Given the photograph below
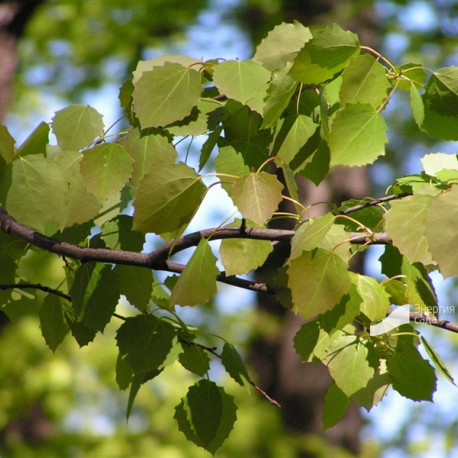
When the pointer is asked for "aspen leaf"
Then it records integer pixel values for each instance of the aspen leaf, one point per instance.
(166, 94)
(442, 212)
(105, 169)
(406, 225)
(328, 52)
(197, 283)
(318, 279)
(244, 81)
(167, 198)
(77, 126)
(257, 196)
(357, 135)
(281, 45)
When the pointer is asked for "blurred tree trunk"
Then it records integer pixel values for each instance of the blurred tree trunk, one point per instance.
(301, 388)
(14, 16)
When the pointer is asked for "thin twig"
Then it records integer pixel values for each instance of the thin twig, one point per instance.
(46, 289)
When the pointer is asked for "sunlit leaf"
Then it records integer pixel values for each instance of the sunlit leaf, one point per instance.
(328, 52)
(105, 169)
(318, 279)
(292, 134)
(281, 45)
(406, 225)
(442, 212)
(364, 81)
(375, 301)
(166, 94)
(357, 135)
(147, 149)
(244, 81)
(257, 196)
(351, 363)
(167, 198)
(77, 126)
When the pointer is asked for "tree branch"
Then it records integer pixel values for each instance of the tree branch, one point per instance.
(39, 286)
(372, 203)
(430, 320)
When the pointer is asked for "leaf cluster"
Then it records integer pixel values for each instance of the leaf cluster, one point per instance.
(306, 102)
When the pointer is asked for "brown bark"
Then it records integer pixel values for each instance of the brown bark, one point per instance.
(14, 16)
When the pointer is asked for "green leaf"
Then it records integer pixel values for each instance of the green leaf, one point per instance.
(292, 134)
(6, 144)
(234, 365)
(413, 377)
(434, 123)
(82, 333)
(194, 359)
(167, 198)
(202, 119)
(374, 391)
(437, 360)
(197, 283)
(325, 55)
(318, 279)
(406, 225)
(36, 142)
(37, 192)
(281, 45)
(442, 212)
(310, 233)
(343, 313)
(103, 299)
(443, 166)
(306, 339)
(240, 256)
(77, 126)
(147, 149)
(79, 204)
(145, 341)
(357, 135)
(136, 284)
(209, 146)
(257, 196)
(52, 321)
(241, 131)
(137, 381)
(410, 74)
(244, 81)
(148, 65)
(105, 169)
(351, 363)
(335, 405)
(375, 301)
(364, 81)
(166, 94)
(206, 415)
(417, 288)
(281, 88)
(206, 409)
(441, 92)
(230, 162)
(124, 373)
